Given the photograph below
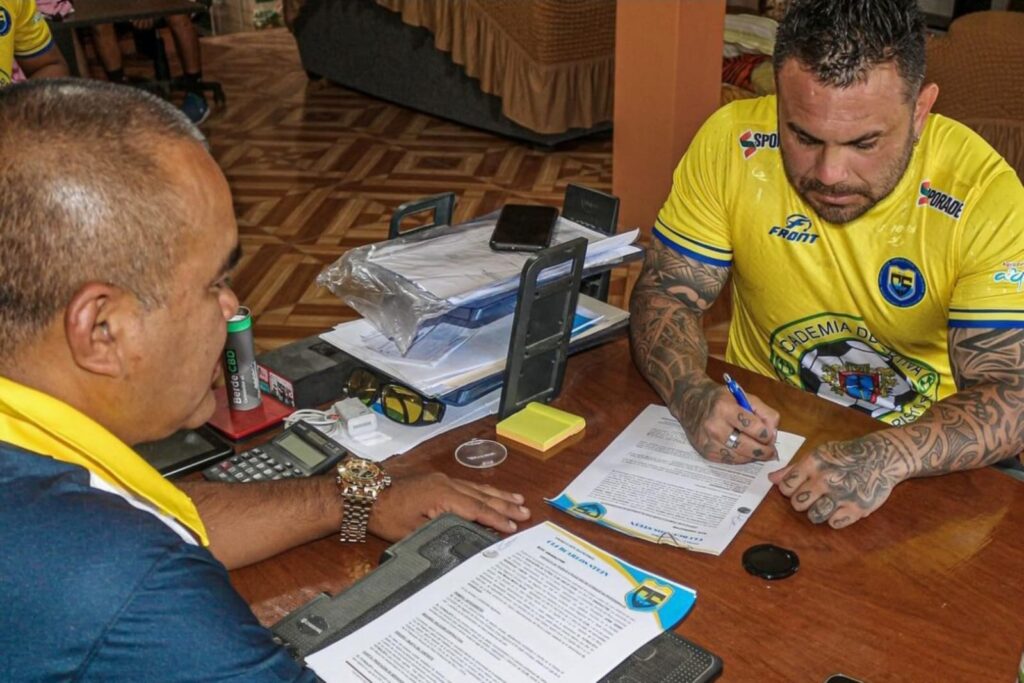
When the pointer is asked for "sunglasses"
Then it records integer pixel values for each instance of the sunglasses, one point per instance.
(397, 402)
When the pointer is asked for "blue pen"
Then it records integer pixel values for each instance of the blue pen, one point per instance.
(737, 392)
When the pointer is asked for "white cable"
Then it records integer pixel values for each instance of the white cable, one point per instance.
(348, 415)
(327, 421)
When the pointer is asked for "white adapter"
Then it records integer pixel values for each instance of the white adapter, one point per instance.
(356, 417)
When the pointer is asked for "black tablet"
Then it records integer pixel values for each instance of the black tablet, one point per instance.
(185, 451)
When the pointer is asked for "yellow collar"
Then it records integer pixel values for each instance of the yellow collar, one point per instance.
(45, 425)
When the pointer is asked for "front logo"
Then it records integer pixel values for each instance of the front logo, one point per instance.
(5, 21)
(648, 596)
(798, 229)
(750, 142)
(939, 200)
(901, 282)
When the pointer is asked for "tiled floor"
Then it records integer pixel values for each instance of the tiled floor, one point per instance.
(316, 169)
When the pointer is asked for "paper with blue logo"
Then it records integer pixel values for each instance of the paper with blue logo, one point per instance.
(650, 483)
(542, 605)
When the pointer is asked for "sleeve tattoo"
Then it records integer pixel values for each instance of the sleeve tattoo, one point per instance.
(984, 421)
(668, 343)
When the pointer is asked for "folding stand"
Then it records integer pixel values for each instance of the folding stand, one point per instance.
(544, 312)
(541, 328)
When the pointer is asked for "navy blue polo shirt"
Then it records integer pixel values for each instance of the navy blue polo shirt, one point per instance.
(93, 588)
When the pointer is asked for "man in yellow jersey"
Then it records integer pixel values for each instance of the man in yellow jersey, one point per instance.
(876, 253)
(118, 239)
(25, 36)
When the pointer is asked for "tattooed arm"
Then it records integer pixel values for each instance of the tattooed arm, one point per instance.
(669, 348)
(982, 423)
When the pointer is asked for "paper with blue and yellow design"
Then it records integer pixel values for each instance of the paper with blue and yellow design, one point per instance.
(542, 605)
(652, 484)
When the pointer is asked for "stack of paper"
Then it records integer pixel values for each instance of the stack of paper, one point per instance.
(458, 356)
(461, 267)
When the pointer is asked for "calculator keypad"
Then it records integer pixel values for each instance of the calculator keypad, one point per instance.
(254, 464)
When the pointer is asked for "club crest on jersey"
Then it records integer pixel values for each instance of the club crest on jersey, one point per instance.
(901, 282)
(862, 382)
(751, 141)
(939, 200)
(5, 21)
(798, 229)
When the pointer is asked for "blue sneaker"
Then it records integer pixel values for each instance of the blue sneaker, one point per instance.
(195, 108)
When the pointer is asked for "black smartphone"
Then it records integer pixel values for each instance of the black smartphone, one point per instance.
(522, 227)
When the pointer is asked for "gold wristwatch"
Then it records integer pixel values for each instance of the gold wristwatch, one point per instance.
(360, 482)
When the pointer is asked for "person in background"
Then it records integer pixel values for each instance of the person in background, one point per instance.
(25, 37)
(186, 43)
(876, 253)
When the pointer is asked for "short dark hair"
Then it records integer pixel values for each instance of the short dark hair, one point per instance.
(839, 41)
(84, 197)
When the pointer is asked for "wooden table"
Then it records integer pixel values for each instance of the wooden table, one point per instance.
(930, 588)
(93, 12)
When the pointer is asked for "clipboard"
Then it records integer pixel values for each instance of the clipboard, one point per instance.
(432, 551)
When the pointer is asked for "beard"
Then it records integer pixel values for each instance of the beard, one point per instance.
(868, 194)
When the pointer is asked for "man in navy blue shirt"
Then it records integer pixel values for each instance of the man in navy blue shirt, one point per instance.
(118, 240)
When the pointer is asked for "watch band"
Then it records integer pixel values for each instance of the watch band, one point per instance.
(355, 519)
(360, 483)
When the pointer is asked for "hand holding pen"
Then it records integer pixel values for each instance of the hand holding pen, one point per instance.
(757, 426)
(737, 392)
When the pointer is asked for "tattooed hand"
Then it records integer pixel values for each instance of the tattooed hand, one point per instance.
(709, 415)
(669, 349)
(843, 481)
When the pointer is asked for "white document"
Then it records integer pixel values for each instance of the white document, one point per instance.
(652, 484)
(542, 605)
(461, 266)
(481, 355)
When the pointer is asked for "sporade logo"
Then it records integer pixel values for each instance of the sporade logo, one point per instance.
(940, 201)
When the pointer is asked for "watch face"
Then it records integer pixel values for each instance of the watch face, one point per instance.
(361, 471)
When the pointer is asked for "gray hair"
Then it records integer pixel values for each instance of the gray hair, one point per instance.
(84, 197)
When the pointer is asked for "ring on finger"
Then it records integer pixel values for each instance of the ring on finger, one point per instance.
(733, 440)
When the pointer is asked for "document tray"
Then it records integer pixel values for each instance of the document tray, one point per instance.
(432, 551)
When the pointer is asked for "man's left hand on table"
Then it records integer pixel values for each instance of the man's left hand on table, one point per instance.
(840, 482)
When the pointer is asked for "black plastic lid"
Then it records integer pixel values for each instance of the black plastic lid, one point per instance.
(770, 562)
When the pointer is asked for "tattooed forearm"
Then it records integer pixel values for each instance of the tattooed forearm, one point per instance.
(665, 326)
(984, 422)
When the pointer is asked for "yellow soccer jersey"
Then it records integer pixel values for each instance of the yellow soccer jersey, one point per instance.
(23, 33)
(856, 313)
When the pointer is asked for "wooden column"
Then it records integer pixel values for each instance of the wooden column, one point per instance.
(668, 73)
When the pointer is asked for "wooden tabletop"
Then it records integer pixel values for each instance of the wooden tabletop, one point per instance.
(92, 12)
(929, 588)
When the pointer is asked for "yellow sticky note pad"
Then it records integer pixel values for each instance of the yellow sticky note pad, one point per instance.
(540, 426)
